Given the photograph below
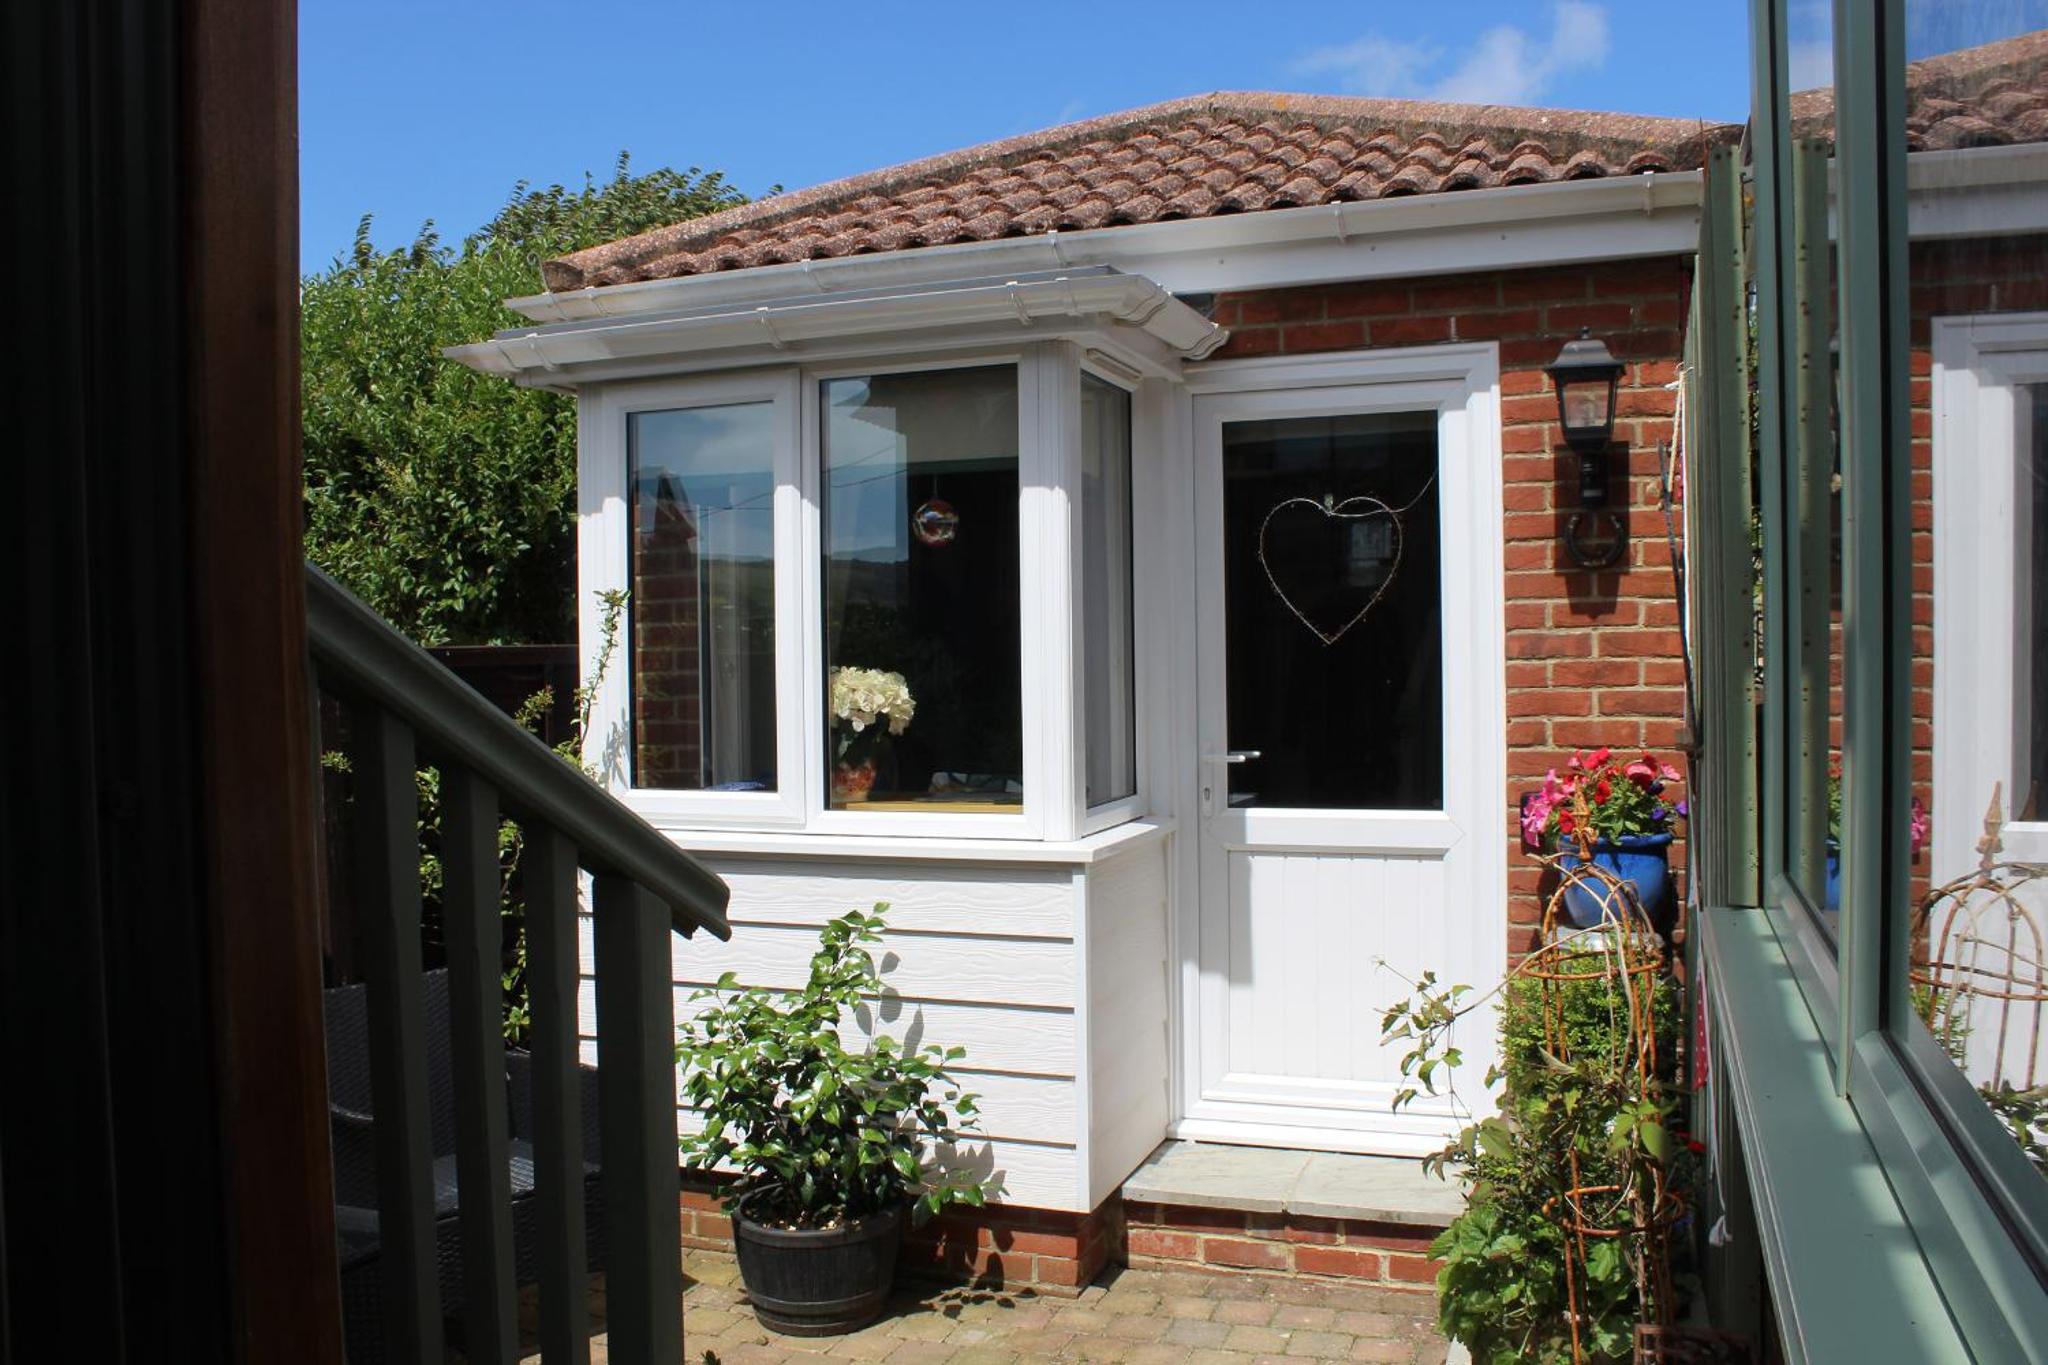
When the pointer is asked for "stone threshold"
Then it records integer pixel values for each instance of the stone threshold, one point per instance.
(1276, 1180)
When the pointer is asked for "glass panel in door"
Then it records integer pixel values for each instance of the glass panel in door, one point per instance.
(1333, 636)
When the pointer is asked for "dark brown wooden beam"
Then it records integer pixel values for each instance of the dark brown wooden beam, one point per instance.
(240, 272)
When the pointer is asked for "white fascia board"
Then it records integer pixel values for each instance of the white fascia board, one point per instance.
(1971, 192)
(1618, 217)
(1129, 314)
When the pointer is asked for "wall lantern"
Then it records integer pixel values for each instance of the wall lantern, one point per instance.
(1586, 375)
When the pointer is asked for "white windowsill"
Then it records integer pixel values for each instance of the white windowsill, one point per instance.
(790, 844)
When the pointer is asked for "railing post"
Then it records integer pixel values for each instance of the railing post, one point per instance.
(636, 1088)
(471, 918)
(387, 800)
(551, 985)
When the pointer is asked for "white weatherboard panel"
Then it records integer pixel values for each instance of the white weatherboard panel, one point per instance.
(975, 957)
(1034, 1042)
(923, 966)
(1014, 902)
(1040, 1175)
(1128, 1081)
(1019, 1108)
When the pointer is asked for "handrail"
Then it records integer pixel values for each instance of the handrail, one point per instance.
(358, 654)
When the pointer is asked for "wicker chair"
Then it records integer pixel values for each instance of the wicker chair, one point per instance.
(355, 1165)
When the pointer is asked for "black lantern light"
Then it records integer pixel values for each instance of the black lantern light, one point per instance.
(1587, 375)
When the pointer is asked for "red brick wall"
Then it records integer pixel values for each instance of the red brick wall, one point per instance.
(1593, 658)
(1002, 1245)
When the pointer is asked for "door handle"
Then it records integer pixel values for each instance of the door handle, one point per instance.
(1234, 756)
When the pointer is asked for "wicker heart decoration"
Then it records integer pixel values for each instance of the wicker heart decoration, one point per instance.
(1359, 508)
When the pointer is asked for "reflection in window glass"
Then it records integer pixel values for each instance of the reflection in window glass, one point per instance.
(702, 609)
(1980, 565)
(922, 617)
(1107, 647)
(1333, 611)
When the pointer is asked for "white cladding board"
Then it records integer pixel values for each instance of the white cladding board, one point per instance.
(1124, 920)
(985, 958)
(975, 957)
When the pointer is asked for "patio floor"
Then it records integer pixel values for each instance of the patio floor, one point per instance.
(1144, 1317)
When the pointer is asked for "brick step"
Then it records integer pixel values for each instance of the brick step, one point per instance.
(1276, 1211)
(1180, 1236)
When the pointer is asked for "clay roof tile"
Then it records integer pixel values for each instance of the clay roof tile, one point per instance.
(1211, 154)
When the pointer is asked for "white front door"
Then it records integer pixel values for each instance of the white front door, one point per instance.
(1350, 772)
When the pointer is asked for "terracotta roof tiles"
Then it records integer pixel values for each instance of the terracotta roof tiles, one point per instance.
(1995, 95)
(1190, 158)
(1245, 153)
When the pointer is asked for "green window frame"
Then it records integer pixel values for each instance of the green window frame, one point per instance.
(1851, 1118)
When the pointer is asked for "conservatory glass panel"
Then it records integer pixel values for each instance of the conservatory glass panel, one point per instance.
(924, 704)
(702, 609)
(1978, 782)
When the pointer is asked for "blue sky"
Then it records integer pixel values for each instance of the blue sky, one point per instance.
(432, 109)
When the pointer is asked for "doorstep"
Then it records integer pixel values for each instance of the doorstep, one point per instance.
(1288, 1212)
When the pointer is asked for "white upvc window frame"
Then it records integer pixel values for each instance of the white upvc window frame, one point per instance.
(1051, 683)
(604, 543)
(1035, 820)
(1144, 531)
(1981, 531)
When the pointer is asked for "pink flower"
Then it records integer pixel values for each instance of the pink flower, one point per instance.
(1641, 771)
(1918, 826)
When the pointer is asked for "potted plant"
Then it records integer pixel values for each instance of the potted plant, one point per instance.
(1613, 812)
(830, 1145)
(869, 706)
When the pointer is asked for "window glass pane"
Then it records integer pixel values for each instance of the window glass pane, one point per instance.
(1978, 832)
(702, 610)
(1333, 611)
(1107, 651)
(922, 622)
(1813, 488)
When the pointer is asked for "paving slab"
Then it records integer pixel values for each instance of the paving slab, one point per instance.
(1217, 1175)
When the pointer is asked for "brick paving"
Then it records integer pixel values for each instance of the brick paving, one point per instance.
(1146, 1317)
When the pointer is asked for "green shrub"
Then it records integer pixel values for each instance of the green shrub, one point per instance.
(821, 1134)
(442, 497)
(1571, 1116)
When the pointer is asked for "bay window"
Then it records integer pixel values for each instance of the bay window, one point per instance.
(892, 600)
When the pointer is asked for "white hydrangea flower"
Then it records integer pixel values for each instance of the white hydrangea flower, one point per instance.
(863, 696)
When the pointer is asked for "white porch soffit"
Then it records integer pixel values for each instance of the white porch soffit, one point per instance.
(1042, 305)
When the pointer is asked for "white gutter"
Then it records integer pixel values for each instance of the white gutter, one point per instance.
(1649, 214)
(1088, 299)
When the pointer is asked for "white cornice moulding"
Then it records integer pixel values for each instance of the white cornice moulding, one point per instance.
(1128, 313)
(1576, 220)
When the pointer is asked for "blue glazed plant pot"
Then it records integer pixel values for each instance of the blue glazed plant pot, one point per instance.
(1832, 894)
(1644, 860)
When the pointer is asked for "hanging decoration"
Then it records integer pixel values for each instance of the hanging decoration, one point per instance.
(1373, 542)
(935, 522)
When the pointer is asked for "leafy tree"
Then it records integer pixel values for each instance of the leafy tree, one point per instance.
(445, 498)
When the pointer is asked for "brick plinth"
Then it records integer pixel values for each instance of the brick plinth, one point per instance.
(999, 1247)
(1177, 1237)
